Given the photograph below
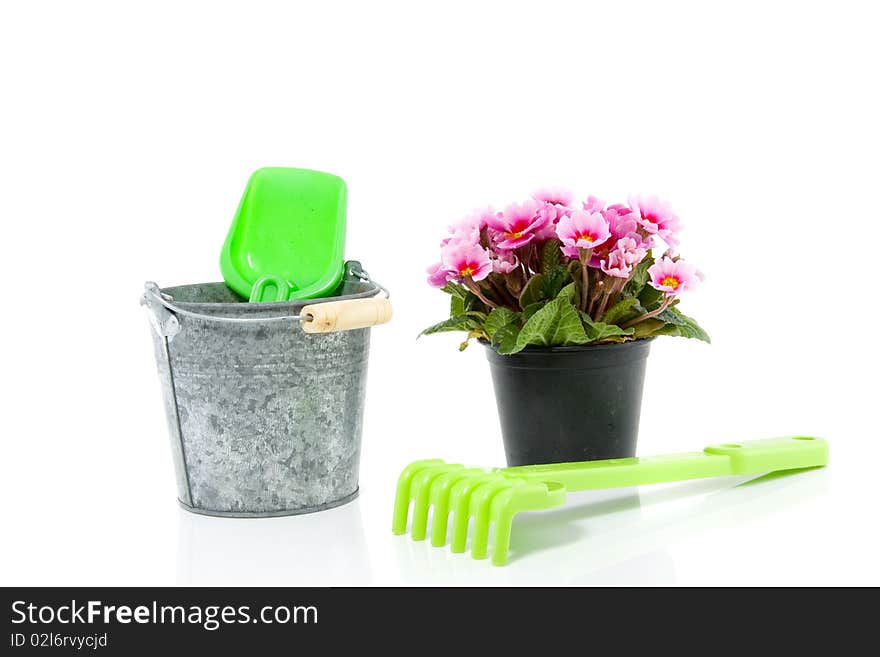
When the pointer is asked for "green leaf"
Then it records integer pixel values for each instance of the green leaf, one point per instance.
(556, 324)
(639, 277)
(618, 310)
(498, 318)
(569, 293)
(650, 298)
(544, 286)
(504, 339)
(463, 300)
(472, 303)
(687, 326)
(570, 329)
(668, 329)
(605, 331)
(466, 322)
(637, 310)
(669, 316)
(455, 289)
(531, 309)
(533, 291)
(597, 331)
(458, 293)
(456, 306)
(551, 256)
(648, 328)
(554, 280)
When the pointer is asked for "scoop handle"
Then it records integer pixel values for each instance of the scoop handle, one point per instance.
(750, 457)
(270, 288)
(345, 315)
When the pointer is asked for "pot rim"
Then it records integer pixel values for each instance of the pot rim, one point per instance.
(571, 349)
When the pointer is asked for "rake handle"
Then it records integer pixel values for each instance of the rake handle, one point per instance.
(751, 457)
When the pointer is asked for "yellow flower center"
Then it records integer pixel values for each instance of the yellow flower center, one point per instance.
(467, 271)
(586, 237)
(670, 281)
(516, 235)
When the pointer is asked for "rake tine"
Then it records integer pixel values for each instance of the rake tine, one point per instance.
(527, 496)
(503, 518)
(402, 498)
(480, 506)
(459, 502)
(420, 491)
(439, 500)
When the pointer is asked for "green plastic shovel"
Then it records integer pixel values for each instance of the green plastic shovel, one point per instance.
(495, 496)
(287, 240)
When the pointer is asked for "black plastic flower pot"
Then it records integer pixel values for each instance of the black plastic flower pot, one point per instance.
(561, 404)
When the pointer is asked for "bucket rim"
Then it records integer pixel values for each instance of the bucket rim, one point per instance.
(354, 275)
(297, 304)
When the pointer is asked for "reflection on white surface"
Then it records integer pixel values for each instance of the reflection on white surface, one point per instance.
(612, 537)
(317, 549)
(619, 537)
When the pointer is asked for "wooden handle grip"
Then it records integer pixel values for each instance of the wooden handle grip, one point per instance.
(346, 315)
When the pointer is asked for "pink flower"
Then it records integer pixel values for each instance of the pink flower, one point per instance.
(616, 265)
(464, 260)
(571, 252)
(593, 204)
(657, 217)
(673, 276)
(554, 196)
(549, 214)
(438, 275)
(518, 225)
(585, 231)
(622, 221)
(631, 250)
(504, 262)
(469, 228)
(556, 203)
(620, 259)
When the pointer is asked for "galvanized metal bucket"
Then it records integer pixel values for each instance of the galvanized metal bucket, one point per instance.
(264, 412)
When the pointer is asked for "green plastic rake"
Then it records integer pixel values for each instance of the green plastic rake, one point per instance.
(492, 497)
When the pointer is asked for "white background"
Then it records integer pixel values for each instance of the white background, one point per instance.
(129, 129)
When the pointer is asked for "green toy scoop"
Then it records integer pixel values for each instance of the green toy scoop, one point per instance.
(287, 240)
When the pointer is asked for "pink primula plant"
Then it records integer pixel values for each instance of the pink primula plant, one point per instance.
(554, 272)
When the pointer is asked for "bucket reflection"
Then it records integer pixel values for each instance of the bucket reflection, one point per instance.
(318, 549)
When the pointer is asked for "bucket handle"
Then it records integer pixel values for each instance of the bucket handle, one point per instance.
(319, 317)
